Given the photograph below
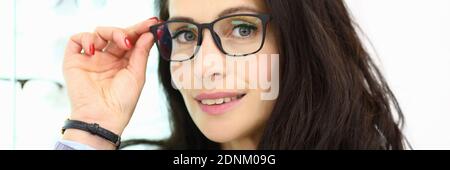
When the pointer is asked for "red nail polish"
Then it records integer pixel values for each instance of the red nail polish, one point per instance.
(92, 49)
(127, 42)
(154, 18)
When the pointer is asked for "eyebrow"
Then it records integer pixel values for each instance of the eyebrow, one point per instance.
(230, 11)
(226, 12)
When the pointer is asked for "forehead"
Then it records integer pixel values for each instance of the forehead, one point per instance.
(208, 10)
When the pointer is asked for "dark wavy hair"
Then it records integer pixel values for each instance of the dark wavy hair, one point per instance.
(332, 95)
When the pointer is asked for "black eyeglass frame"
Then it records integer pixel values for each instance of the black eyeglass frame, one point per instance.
(265, 18)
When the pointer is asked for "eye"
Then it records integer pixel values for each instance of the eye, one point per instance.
(185, 36)
(243, 30)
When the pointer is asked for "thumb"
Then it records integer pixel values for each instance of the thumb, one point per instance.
(139, 55)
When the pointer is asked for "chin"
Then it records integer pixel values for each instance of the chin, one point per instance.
(219, 132)
(218, 138)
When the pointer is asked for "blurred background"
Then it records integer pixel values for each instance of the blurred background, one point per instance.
(411, 39)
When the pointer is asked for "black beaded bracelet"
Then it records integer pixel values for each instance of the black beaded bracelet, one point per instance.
(94, 129)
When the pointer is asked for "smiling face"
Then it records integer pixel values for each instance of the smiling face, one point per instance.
(229, 113)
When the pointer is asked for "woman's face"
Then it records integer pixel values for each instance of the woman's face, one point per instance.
(229, 113)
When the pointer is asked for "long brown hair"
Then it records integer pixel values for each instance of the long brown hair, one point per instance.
(332, 96)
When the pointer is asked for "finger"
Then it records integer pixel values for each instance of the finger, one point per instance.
(90, 41)
(114, 35)
(81, 42)
(99, 42)
(133, 33)
(72, 54)
(74, 45)
(113, 49)
(139, 55)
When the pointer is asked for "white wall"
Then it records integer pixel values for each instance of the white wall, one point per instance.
(412, 39)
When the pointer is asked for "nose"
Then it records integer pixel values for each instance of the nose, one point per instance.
(210, 61)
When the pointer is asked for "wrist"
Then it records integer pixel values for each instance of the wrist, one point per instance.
(92, 134)
(89, 139)
(108, 121)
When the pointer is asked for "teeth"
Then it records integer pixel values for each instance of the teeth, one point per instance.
(226, 100)
(210, 102)
(217, 101)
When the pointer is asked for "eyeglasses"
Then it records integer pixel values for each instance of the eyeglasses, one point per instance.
(235, 35)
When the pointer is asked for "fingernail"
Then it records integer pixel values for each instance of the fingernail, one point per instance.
(92, 49)
(127, 42)
(154, 18)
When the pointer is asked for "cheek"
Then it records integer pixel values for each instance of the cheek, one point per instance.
(182, 75)
(181, 81)
(270, 42)
(175, 71)
(269, 68)
(189, 102)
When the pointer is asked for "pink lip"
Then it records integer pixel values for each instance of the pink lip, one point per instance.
(217, 109)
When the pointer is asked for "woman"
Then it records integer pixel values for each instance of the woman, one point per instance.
(330, 96)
